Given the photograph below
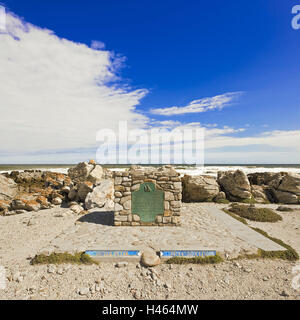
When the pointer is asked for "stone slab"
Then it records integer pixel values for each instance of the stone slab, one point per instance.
(242, 231)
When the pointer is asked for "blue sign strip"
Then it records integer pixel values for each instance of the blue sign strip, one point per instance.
(113, 253)
(187, 253)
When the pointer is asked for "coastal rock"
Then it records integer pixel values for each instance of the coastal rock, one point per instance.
(44, 203)
(8, 188)
(4, 206)
(235, 184)
(95, 175)
(259, 193)
(83, 189)
(93, 162)
(80, 172)
(284, 209)
(279, 187)
(56, 180)
(264, 178)
(86, 172)
(220, 196)
(72, 193)
(199, 188)
(101, 196)
(24, 204)
(290, 183)
(56, 201)
(76, 208)
(285, 197)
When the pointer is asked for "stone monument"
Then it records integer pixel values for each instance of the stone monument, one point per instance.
(147, 196)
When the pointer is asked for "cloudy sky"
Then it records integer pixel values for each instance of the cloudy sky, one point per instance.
(68, 71)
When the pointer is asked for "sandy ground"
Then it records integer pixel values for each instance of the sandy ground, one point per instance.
(22, 236)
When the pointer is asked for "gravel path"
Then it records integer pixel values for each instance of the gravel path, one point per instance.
(22, 236)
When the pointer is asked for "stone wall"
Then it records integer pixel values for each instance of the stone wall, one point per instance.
(164, 178)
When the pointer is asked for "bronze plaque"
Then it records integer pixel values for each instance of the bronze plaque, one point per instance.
(147, 202)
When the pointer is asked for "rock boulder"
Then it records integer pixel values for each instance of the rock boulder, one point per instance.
(199, 188)
(8, 188)
(235, 184)
(101, 196)
(86, 172)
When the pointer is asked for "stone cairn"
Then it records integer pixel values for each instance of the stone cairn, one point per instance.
(164, 178)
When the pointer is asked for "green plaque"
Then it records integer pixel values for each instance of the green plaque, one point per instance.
(147, 202)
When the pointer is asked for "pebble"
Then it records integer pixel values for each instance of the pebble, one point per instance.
(84, 291)
(226, 280)
(60, 271)
(51, 269)
(121, 264)
(284, 294)
(265, 279)
(16, 275)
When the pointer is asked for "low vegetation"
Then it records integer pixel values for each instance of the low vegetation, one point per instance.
(58, 258)
(196, 260)
(288, 254)
(255, 214)
(242, 220)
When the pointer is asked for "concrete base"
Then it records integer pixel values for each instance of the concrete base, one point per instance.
(242, 231)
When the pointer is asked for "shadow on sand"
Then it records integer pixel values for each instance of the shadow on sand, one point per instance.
(105, 218)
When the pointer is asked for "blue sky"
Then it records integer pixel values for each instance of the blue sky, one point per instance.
(162, 54)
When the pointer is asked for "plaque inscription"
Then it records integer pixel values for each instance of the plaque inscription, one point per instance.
(147, 202)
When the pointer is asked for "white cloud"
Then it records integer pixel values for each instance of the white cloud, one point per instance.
(55, 93)
(199, 105)
(97, 45)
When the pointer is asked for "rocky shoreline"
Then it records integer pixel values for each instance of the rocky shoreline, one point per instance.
(89, 185)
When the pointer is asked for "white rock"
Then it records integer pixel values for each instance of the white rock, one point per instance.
(96, 175)
(102, 195)
(60, 271)
(76, 208)
(51, 269)
(150, 258)
(84, 291)
(57, 201)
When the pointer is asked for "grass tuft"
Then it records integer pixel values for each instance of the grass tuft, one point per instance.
(58, 258)
(255, 214)
(242, 220)
(196, 260)
(288, 254)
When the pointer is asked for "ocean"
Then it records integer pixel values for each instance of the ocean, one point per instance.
(208, 169)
